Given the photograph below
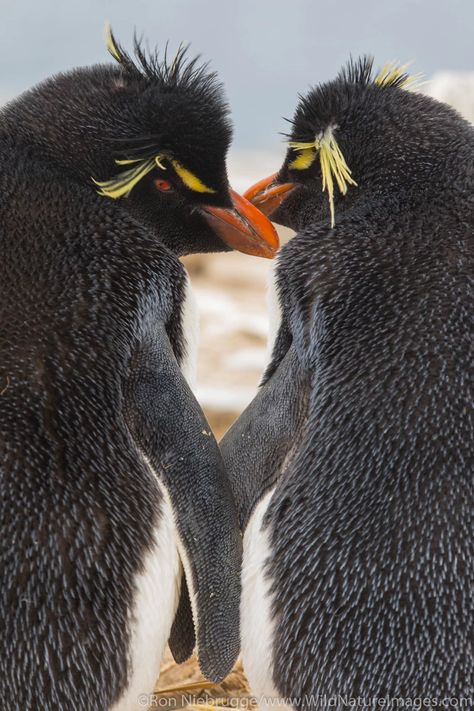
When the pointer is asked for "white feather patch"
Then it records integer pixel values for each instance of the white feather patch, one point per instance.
(157, 589)
(274, 310)
(184, 560)
(190, 328)
(257, 624)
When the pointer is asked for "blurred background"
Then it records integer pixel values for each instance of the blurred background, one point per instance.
(266, 52)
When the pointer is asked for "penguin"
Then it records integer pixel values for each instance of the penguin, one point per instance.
(118, 527)
(352, 468)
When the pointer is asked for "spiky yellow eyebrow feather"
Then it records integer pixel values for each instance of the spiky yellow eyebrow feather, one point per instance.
(332, 161)
(121, 184)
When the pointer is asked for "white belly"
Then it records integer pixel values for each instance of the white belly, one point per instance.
(257, 624)
(156, 600)
(273, 310)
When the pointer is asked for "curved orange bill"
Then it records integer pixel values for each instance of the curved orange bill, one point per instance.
(268, 195)
(243, 227)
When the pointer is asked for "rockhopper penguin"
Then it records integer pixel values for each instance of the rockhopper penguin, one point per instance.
(111, 480)
(353, 466)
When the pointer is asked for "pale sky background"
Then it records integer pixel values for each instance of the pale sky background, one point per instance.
(266, 51)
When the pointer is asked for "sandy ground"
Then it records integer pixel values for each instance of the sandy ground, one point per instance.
(188, 689)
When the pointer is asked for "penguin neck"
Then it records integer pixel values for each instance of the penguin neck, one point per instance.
(430, 164)
(182, 233)
(440, 177)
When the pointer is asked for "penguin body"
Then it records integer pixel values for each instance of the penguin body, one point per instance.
(90, 539)
(352, 468)
(112, 483)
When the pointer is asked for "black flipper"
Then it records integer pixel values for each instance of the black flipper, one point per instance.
(171, 430)
(182, 636)
(258, 446)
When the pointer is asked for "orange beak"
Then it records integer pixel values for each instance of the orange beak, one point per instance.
(266, 195)
(243, 227)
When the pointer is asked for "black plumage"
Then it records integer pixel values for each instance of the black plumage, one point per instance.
(91, 340)
(364, 422)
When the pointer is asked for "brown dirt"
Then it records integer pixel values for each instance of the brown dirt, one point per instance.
(233, 691)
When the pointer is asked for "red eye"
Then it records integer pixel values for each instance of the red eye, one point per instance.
(163, 185)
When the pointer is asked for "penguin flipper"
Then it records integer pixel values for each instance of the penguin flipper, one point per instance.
(261, 440)
(172, 432)
(182, 636)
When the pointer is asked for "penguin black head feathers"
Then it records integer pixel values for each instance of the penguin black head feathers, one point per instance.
(154, 134)
(359, 138)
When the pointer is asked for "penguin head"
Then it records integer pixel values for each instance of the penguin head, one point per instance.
(152, 134)
(358, 140)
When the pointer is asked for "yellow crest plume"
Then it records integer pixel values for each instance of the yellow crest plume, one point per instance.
(333, 163)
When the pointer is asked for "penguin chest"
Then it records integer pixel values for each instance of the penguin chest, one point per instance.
(157, 587)
(257, 623)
